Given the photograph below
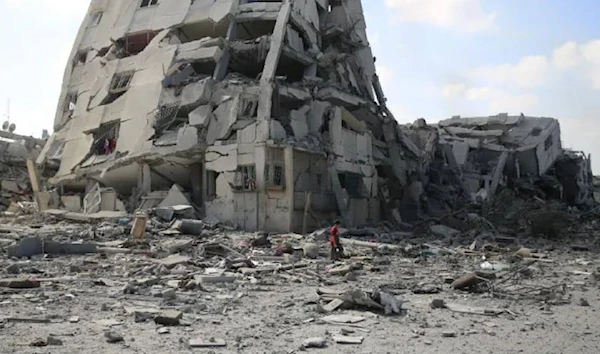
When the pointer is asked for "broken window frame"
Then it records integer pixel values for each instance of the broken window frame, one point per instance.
(135, 43)
(275, 176)
(108, 130)
(121, 82)
(245, 178)
(56, 150)
(96, 18)
(148, 3)
(70, 98)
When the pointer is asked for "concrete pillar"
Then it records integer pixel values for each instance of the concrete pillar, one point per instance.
(144, 179)
(265, 101)
(288, 158)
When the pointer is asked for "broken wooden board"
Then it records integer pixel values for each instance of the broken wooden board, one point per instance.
(333, 305)
(475, 310)
(348, 340)
(343, 319)
(212, 343)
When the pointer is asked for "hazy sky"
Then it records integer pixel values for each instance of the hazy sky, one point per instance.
(437, 58)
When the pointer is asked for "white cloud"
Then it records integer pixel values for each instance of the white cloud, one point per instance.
(529, 72)
(566, 56)
(463, 15)
(453, 90)
(500, 101)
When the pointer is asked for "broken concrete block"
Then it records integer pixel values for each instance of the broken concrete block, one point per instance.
(173, 260)
(113, 337)
(14, 283)
(311, 250)
(444, 231)
(175, 197)
(169, 294)
(341, 270)
(224, 116)
(316, 342)
(187, 138)
(10, 186)
(32, 246)
(201, 116)
(168, 318)
(197, 93)
(524, 252)
(26, 247)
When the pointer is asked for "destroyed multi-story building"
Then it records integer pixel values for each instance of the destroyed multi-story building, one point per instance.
(269, 113)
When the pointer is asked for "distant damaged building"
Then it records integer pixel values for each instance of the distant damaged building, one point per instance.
(267, 114)
(491, 150)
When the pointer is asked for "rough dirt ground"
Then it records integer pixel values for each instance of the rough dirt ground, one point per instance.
(275, 314)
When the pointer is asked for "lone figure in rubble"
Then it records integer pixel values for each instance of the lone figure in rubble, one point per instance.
(334, 241)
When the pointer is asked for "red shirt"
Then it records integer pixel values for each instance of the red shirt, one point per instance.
(335, 230)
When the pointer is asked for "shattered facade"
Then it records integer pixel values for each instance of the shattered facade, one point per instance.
(252, 107)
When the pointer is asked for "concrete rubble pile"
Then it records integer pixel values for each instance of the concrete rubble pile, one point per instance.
(16, 194)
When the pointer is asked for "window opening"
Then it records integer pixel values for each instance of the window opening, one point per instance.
(105, 138)
(96, 18)
(146, 3)
(245, 178)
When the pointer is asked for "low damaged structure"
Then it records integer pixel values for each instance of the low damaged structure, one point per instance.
(503, 149)
(265, 114)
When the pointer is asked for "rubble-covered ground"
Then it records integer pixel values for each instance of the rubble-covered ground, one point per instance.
(224, 291)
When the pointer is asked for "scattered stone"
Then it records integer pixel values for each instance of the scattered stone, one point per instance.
(73, 319)
(13, 269)
(113, 337)
(352, 276)
(427, 342)
(584, 302)
(316, 342)
(311, 250)
(163, 330)
(142, 316)
(39, 342)
(169, 294)
(448, 334)
(438, 304)
(580, 248)
(211, 343)
(168, 318)
(51, 340)
(524, 252)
